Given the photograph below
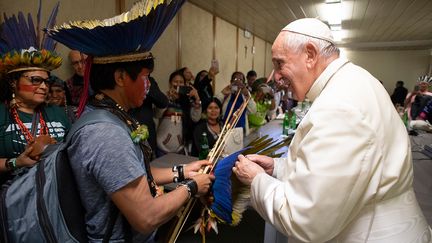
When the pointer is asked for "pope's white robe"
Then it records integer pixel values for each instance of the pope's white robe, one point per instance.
(348, 174)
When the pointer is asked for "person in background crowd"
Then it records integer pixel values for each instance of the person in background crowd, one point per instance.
(59, 95)
(203, 84)
(251, 76)
(187, 74)
(264, 99)
(110, 159)
(145, 113)
(399, 94)
(272, 114)
(227, 97)
(426, 113)
(424, 119)
(418, 98)
(184, 108)
(76, 82)
(348, 173)
(212, 126)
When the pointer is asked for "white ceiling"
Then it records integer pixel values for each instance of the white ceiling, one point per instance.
(366, 24)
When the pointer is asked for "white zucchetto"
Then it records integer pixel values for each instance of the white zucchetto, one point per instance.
(311, 27)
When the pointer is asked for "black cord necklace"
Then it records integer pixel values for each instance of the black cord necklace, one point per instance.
(103, 101)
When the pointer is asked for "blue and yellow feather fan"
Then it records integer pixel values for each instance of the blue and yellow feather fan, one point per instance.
(230, 196)
(222, 206)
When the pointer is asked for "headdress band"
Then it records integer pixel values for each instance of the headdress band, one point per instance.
(28, 69)
(131, 57)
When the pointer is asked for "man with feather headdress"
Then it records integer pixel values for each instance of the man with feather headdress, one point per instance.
(111, 160)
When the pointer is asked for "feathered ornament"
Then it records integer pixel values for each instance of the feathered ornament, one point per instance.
(132, 32)
(22, 47)
(124, 38)
(425, 78)
(229, 197)
(222, 205)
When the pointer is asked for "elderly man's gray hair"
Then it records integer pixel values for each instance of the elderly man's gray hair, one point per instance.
(296, 43)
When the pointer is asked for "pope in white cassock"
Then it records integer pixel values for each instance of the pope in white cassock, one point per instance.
(348, 173)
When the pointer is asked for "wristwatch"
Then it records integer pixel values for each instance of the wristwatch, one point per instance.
(178, 171)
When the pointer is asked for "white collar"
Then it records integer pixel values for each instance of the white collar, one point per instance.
(324, 77)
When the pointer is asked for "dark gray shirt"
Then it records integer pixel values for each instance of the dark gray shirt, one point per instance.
(104, 159)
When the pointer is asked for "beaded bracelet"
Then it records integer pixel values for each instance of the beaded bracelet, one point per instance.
(190, 185)
(10, 164)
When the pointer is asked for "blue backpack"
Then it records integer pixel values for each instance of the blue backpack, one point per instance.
(42, 204)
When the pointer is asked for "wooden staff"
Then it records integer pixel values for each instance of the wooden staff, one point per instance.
(213, 157)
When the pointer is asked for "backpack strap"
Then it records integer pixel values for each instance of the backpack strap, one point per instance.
(92, 117)
(112, 217)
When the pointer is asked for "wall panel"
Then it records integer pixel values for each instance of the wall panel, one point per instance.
(244, 52)
(165, 52)
(268, 59)
(196, 38)
(259, 57)
(391, 66)
(225, 52)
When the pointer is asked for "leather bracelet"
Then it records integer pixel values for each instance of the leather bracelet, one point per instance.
(191, 186)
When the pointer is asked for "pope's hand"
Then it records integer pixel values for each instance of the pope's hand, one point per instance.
(246, 170)
(267, 163)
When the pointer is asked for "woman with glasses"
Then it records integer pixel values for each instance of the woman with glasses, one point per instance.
(25, 119)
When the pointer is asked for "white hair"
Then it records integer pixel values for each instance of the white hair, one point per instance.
(296, 43)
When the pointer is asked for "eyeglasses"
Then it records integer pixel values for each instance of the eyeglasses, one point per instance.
(238, 79)
(37, 80)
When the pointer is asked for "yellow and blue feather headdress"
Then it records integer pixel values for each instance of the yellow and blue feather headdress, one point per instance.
(125, 37)
(22, 47)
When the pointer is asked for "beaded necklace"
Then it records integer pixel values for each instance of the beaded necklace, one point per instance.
(105, 102)
(27, 134)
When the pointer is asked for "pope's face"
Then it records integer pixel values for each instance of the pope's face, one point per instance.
(290, 68)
